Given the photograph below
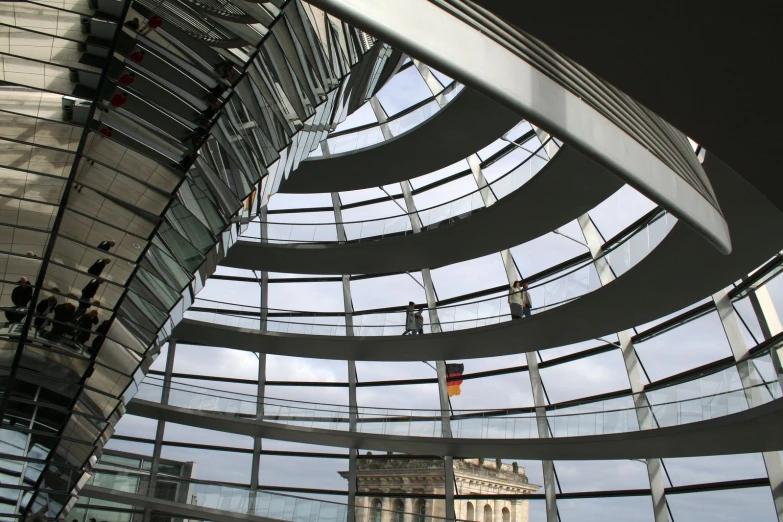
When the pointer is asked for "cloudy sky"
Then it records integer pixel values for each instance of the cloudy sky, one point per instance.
(693, 344)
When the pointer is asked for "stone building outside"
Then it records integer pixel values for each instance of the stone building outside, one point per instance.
(417, 476)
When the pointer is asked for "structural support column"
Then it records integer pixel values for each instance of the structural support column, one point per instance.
(353, 408)
(161, 428)
(770, 324)
(445, 424)
(353, 453)
(548, 466)
(440, 366)
(766, 313)
(429, 290)
(257, 441)
(432, 82)
(381, 116)
(536, 384)
(748, 374)
(497, 510)
(633, 368)
(408, 507)
(261, 387)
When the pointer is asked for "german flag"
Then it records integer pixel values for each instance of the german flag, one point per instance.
(453, 371)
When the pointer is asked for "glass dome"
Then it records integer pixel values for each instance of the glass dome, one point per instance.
(291, 261)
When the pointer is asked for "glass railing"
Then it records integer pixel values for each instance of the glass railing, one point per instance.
(378, 229)
(555, 290)
(708, 397)
(630, 251)
(234, 498)
(350, 141)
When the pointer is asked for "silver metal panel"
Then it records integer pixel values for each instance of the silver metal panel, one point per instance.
(451, 45)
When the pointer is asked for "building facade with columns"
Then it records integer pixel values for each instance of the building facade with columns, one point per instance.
(391, 489)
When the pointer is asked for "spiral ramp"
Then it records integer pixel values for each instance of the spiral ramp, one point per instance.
(169, 136)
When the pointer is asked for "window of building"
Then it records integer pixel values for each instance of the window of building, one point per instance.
(399, 511)
(471, 514)
(376, 510)
(506, 515)
(487, 513)
(422, 511)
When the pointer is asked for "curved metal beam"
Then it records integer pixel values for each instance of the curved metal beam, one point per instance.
(682, 269)
(467, 124)
(479, 61)
(749, 431)
(566, 187)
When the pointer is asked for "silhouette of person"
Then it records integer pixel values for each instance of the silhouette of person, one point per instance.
(20, 297)
(84, 326)
(410, 319)
(519, 301)
(98, 266)
(23, 292)
(100, 335)
(206, 117)
(88, 292)
(225, 69)
(43, 309)
(419, 320)
(196, 136)
(133, 23)
(106, 245)
(63, 316)
(218, 90)
(188, 160)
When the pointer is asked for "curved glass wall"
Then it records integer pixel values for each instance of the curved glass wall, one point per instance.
(548, 290)
(587, 389)
(369, 135)
(696, 393)
(711, 396)
(431, 217)
(149, 143)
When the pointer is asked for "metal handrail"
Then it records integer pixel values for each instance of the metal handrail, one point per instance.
(434, 414)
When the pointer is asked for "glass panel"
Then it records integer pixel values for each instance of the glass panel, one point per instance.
(734, 504)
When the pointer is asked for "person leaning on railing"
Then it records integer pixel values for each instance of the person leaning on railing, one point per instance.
(519, 300)
(419, 320)
(410, 319)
